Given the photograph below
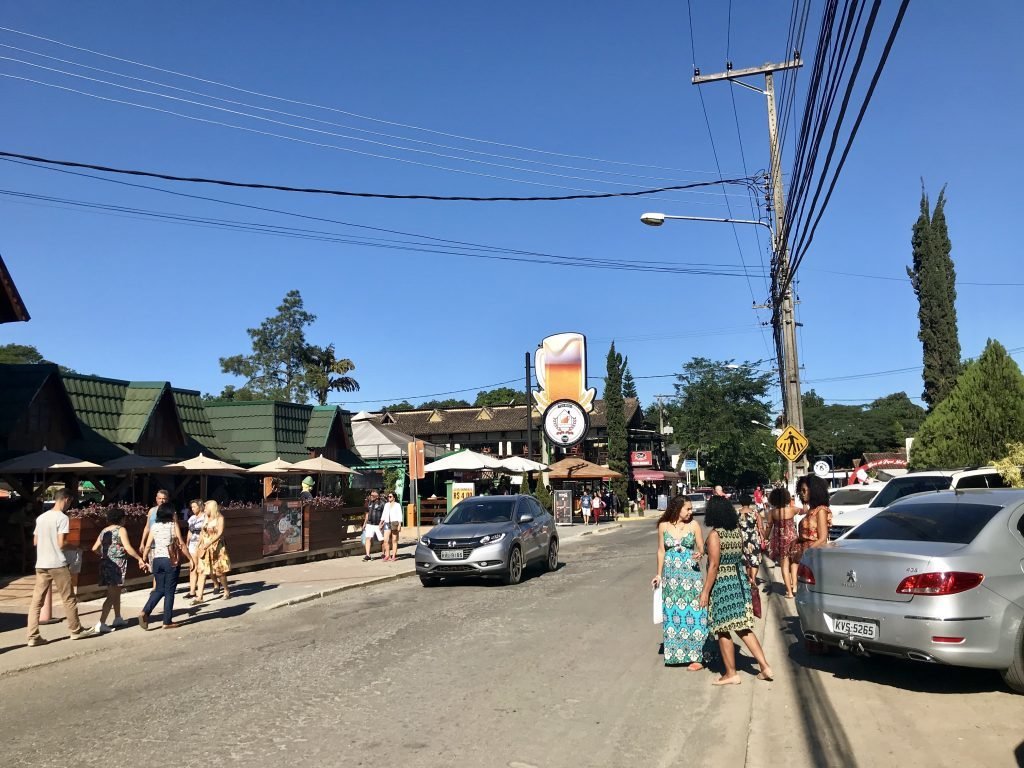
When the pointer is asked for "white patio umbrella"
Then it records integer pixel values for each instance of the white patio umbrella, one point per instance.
(519, 464)
(46, 461)
(465, 460)
(276, 467)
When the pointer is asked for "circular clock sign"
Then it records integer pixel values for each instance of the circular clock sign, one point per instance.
(565, 423)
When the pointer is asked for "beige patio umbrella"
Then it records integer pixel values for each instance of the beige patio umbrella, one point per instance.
(322, 466)
(205, 466)
(46, 461)
(570, 468)
(276, 467)
(134, 463)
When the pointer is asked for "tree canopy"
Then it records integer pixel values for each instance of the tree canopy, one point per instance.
(982, 415)
(24, 354)
(846, 432)
(283, 365)
(715, 403)
(628, 384)
(500, 396)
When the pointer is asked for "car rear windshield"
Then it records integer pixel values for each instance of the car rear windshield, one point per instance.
(956, 522)
(852, 496)
(481, 511)
(899, 487)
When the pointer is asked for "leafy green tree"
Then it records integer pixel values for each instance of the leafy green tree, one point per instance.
(615, 408)
(543, 495)
(628, 385)
(20, 354)
(716, 401)
(405, 405)
(846, 432)
(277, 367)
(229, 394)
(442, 404)
(933, 278)
(500, 396)
(325, 373)
(980, 417)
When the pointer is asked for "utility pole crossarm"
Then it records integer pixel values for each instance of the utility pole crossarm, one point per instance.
(732, 74)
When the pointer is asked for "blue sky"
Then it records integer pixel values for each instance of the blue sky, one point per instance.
(130, 297)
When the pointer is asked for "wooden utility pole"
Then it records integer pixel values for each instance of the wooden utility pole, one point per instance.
(783, 319)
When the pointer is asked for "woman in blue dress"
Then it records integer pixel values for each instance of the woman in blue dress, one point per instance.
(684, 621)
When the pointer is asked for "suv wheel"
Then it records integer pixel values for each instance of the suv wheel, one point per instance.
(514, 574)
(427, 581)
(551, 564)
(1014, 674)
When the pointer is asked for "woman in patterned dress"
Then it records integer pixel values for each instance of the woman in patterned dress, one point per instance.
(726, 590)
(684, 621)
(782, 536)
(752, 529)
(813, 529)
(212, 554)
(113, 547)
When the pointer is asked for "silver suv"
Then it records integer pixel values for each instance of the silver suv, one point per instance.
(496, 536)
(911, 483)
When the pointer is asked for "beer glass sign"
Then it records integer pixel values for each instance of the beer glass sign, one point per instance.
(561, 365)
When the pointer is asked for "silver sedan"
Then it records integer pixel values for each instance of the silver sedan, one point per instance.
(935, 578)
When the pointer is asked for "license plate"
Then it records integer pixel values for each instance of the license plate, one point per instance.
(856, 628)
(451, 554)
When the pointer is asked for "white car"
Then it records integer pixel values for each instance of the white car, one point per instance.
(847, 518)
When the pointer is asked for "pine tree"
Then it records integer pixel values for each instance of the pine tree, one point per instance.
(615, 409)
(981, 416)
(628, 385)
(933, 278)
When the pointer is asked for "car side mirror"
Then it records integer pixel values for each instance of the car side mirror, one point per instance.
(526, 517)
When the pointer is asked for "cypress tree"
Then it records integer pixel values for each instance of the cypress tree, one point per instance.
(628, 385)
(933, 278)
(981, 416)
(615, 409)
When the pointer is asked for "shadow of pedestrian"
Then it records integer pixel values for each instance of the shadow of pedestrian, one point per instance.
(1019, 753)
(226, 610)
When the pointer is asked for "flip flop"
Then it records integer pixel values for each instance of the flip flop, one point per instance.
(766, 675)
(695, 667)
(734, 680)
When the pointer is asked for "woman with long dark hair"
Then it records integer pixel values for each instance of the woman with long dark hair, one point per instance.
(168, 548)
(113, 547)
(782, 536)
(680, 547)
(813, 529)
(726, 591)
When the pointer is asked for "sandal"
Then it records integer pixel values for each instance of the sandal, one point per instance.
(696, 667)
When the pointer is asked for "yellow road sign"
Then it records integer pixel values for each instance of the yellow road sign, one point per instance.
(791, 443)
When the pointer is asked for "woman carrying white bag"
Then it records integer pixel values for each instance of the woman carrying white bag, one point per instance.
(679, 584)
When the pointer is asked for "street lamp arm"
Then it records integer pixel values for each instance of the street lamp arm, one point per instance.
(657, 219)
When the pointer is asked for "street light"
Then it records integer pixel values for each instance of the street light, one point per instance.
(657, 219)
(760, 424)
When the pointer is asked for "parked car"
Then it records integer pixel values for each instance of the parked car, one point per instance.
(699, 502)
(933, 578)
(845, 519)
(489, 536)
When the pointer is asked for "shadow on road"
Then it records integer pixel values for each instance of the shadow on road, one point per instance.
(529, 574)
(897, 673)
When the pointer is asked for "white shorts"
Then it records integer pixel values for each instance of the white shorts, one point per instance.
(586, 511)
(372, 532)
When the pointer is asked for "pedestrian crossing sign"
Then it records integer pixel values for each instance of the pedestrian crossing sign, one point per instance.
(791, 443)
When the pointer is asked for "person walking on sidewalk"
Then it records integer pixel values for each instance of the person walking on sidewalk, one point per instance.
(195, 523)
(372, 523)
(586, 502)
(212, 557)
(50, 538)
(114, 548)
(752, 529)
(680, 548)
(726, 590)
(169, 549)
(782, 536)
(391, 523)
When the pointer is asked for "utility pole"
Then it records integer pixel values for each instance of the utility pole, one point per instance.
(783, 318)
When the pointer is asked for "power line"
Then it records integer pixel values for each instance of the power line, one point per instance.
(345, 193)
(423, 397)
(336, 110)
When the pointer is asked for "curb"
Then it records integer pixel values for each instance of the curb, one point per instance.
(608, 528)
(335, 590)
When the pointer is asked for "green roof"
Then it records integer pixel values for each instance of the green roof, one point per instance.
(195, 422)
(257, 431)
(97, 403)
(319, 427)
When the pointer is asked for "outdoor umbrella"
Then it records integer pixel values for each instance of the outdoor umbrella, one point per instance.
(132, 464)
(322, 466)
(570, 468)
(204, 466)
(465, 460)
(519, 464)
(276, 467)
(46, 461)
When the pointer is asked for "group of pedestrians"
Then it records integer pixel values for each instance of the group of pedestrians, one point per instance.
(700, 610)
(382, 522)
(594, 504)
(162, 551)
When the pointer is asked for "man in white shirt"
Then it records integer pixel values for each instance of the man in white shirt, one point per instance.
(52, 570)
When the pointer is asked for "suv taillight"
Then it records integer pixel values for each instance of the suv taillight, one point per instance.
(941, 583)
(804, 574)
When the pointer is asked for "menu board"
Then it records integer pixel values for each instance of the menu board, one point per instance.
(282, 527)
(563, 507)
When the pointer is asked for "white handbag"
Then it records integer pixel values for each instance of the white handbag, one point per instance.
(656, 606)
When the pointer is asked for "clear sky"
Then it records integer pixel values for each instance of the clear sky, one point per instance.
(124, 295)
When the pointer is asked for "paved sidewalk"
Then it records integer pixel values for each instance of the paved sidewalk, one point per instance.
(260, 590)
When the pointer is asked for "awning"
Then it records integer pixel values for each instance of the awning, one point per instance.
(654, 475)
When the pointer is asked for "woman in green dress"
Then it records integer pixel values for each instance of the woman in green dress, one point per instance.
(684, 622)
(727, 591)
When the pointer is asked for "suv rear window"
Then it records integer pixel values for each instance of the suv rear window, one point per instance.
(852, 496)
(950, 523)
(899, 487)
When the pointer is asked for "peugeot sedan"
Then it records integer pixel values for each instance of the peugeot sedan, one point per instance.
(933, 578)
(489, 536)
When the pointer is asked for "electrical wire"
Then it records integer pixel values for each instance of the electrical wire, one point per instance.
(345, 193)
(407, 398)
(335, 110)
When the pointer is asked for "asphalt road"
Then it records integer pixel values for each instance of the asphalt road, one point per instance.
(561, 670)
